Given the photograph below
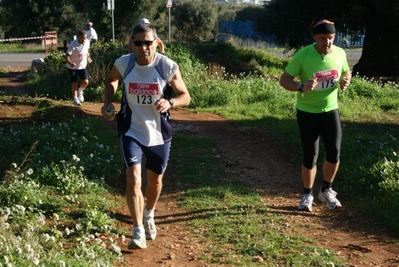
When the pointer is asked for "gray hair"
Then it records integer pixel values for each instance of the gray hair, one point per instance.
(82, 32)
(146, 27)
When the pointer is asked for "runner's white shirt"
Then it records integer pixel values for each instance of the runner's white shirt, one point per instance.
(143, 86)
(78, 53)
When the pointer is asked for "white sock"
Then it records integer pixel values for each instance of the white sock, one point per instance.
(80, 90)
(139, 228)
(148, 213)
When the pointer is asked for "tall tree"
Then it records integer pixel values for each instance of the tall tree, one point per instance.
(290, 21)
(68, 16)
(30, 18)
(195, 20)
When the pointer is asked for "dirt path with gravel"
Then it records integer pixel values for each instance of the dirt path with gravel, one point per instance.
(265, 164)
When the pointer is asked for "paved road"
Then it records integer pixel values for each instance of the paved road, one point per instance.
(18, 59)
(25, 59)
(353, 56)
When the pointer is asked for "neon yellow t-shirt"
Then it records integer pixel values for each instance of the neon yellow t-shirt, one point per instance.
(307, 63)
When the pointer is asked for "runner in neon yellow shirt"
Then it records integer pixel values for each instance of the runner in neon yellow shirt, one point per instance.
(322, 69)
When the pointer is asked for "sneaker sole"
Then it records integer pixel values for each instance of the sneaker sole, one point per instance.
(330, 207)
(150, 237)
(133, 245)
(305, 209)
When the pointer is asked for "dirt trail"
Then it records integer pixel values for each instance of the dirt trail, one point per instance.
(264, 163)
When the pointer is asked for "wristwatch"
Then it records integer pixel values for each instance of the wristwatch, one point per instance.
(171, 102)
(299, 87)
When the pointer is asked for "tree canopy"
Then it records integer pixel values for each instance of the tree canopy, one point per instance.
(30, 18)
(290, 23)
(195, 20)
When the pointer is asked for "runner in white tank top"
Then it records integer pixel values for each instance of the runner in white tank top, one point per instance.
(144, 123)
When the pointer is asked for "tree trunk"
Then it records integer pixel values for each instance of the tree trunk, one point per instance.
(380, 55)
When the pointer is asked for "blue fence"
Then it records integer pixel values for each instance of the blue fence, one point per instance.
(245, 29)
(238, 28)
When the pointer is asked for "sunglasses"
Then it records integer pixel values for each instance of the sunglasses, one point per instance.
(140, 43)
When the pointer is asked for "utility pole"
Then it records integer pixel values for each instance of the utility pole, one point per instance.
(169, 5)
(111, 5)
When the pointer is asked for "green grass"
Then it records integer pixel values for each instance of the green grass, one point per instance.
(21, 47)
(231, 217)
(368, 175)
(55, 205)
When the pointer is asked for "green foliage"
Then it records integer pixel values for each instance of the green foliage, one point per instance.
(67, 17)
(55, 172)
(255, 233)
(20, 191)
(387, 171)
(196, 20)
(249, 12)
(357, 18)
(67, 156)
(53, 80)
(97, 220)
(103, 58)
(54, 61)
(38, 16)
(21, 47)
(127, 14)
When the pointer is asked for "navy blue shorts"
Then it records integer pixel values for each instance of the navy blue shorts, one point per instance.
(156, 156)
(83, 75)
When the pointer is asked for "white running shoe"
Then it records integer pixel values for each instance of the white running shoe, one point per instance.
(150, 228)
(80, 95)
(138, 240)
(329, 197)
(76, 102)
(306, 202)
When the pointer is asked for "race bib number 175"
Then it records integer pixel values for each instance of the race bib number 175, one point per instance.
(326, 79)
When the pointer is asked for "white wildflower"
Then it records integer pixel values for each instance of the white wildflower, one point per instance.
(30, 171)
(21, 208)
(56, 216)
(116, 249)
(75, 158)
(46, 237)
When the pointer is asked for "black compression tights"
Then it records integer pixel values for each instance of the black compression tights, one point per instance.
(311, 127)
